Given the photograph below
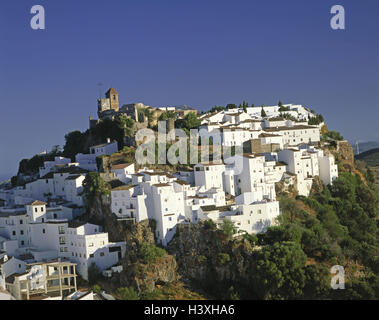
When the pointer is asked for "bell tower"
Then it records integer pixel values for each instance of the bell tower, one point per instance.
(112, 95)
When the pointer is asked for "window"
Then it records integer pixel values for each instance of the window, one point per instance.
(22, 243)
(55, 216)
(61, 229)
(43, 231)
(91, 255)
(35, 209)
(41, 209)
(101, 254)
(62, 240)
(22, 232)
(14, 233)
(21, 222)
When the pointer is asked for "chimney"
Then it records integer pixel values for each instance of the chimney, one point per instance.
(108, 140)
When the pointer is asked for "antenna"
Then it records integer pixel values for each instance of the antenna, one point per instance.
(100, 86)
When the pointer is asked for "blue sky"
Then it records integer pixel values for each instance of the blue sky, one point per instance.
(198, 53)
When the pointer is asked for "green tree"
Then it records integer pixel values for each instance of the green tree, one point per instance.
(370, 176)
(223, 258)
(191, 121)
(317, 284)
(217, 109)
(96, 288)
(263, 113)
(279, 272)
(126, 125)
(127, 293)
(94, 274)
(93, 186)
(150, 252)
(75, 141)
(228, 228)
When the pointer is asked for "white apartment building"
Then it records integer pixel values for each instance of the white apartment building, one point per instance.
(104, 149)
(167, 208)
(129, 202)
(235, 136)
(86, 161)
(124, 171)
(46, 233)
(269, 138)
(307, 163)
(296, 135)
(66, 183)
(255, 217)
(87, 245)
(49, 166)
(209, 175)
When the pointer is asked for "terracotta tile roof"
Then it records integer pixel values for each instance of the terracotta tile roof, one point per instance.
(121, 166)
(37, 203)
(283, 128)
(121, 188)
(181, 182)
(267, 135)
(213, 208)
(158, 185)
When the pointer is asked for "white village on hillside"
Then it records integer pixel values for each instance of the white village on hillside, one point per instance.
(43, 250)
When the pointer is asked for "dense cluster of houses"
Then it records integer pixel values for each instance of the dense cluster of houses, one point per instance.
(37, 226)
(277, 128)
(37, 220)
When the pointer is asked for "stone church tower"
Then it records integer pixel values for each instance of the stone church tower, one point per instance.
(112, 95)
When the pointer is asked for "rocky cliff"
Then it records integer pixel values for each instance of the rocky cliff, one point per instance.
(210, 261)
(136, 273)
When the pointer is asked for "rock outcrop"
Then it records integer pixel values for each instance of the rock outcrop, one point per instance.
(210, 261)
(143, 277)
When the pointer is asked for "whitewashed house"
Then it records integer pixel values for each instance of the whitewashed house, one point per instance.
(129, 202)
(86, 161)
(167, 208)
(104, 149)
(296, 135)
(49, 166)
(209, 175)
(124, 171)
(87, 245)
